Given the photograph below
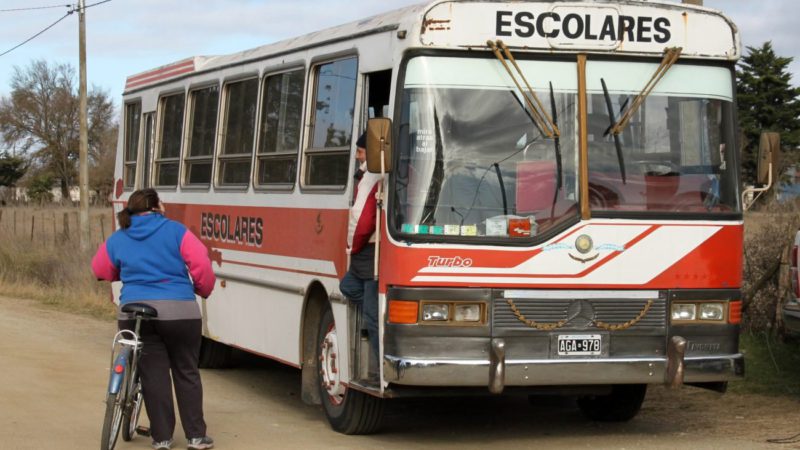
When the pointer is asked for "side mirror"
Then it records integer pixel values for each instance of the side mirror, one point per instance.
(379, 145)
(768, 150)
(768, 154)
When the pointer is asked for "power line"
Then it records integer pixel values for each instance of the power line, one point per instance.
(37, 34)
(31, 8)
(73, 8)
(98, 3)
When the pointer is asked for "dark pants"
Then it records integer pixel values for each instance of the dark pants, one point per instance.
(171, 345)
(364, 293)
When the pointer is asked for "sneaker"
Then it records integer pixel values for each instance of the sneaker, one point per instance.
(202, 443)
(163, 445)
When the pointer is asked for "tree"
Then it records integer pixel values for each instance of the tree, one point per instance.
(41, 117)
(39, 188)
(767, 102)
(102, 156)
(12, 168)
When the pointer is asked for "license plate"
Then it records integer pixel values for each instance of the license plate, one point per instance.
(579, 344)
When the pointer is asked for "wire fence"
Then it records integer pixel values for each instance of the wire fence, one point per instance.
(53, 226)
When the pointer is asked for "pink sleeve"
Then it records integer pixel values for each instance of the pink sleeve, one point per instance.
(196, 256)
(102, 266)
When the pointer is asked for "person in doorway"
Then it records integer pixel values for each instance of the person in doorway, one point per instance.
(359, 284)
(162, 264)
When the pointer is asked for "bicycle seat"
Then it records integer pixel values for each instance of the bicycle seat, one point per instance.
(140, 308)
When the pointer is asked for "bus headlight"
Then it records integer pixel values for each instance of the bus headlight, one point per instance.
(437, 312)
(468, 313)
(700, 311)
(711, 311)
(684, 311)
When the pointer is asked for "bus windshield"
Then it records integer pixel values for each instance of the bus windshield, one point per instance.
(677, 153)
(472, 161)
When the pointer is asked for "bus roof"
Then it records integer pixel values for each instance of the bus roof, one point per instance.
(635, 27)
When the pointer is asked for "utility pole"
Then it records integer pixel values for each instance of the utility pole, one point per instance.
(84, 131)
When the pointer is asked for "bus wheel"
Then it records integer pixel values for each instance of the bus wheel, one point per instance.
(348, 411)
(622, 404)
(214, 355)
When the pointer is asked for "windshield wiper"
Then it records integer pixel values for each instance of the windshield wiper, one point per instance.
(671, 56)
(612, 120)
(557, 144)
(541, 118)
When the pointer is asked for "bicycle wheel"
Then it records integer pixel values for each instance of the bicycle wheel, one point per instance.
(112, 420)
(133, 408)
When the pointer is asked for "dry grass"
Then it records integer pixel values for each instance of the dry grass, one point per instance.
(769, 233)
(43, 262)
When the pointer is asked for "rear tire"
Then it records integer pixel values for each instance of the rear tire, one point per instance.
(214, 355)
(621, 405)
(348, 411)
(134, 408)
(112, 420)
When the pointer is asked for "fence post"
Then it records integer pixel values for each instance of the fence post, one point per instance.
(1, 217)
(65, 227)
(15, 223)
(33, 225)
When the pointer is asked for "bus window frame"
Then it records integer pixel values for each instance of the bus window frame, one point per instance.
(310, 119)
(136, 161)
(259, 157)
(222, 113)
(188, 159)
(159, 139)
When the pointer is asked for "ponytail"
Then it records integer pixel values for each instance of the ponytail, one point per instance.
(124, 218)
(140, 201)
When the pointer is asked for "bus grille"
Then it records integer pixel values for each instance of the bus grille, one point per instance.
(580, 314)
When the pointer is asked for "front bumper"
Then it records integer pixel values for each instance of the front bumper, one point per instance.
(496, 372)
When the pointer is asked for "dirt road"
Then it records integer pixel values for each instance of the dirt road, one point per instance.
(53, 369)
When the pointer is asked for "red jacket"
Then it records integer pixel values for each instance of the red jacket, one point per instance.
(361, 229)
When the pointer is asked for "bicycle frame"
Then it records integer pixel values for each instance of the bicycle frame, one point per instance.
(131, 345)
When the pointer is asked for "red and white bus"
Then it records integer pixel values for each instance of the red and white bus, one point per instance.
(560, 203)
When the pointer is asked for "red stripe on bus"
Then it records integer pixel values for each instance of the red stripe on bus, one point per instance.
(165, 76)
(178, 65)
(282, 269)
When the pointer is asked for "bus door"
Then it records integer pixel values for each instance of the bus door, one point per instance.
(374, 103)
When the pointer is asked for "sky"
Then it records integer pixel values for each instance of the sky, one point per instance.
(125, 37)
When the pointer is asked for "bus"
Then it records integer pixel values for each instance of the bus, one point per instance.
(559, 209)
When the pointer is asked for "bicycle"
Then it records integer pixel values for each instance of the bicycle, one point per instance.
(124, 400)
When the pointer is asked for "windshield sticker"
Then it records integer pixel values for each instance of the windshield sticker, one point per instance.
(426, 141)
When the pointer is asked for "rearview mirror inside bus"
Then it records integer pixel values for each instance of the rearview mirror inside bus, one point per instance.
(379, 142)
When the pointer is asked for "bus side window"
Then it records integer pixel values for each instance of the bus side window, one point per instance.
(203, 106)
(279, 131)
(327, 157)
(169, 142)
(238, 132)
(133, 114)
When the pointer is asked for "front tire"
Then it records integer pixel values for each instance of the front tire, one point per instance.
(112, 420)
(348, 411)
(621, 405)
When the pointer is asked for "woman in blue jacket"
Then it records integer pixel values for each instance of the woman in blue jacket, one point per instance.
(162, 264)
